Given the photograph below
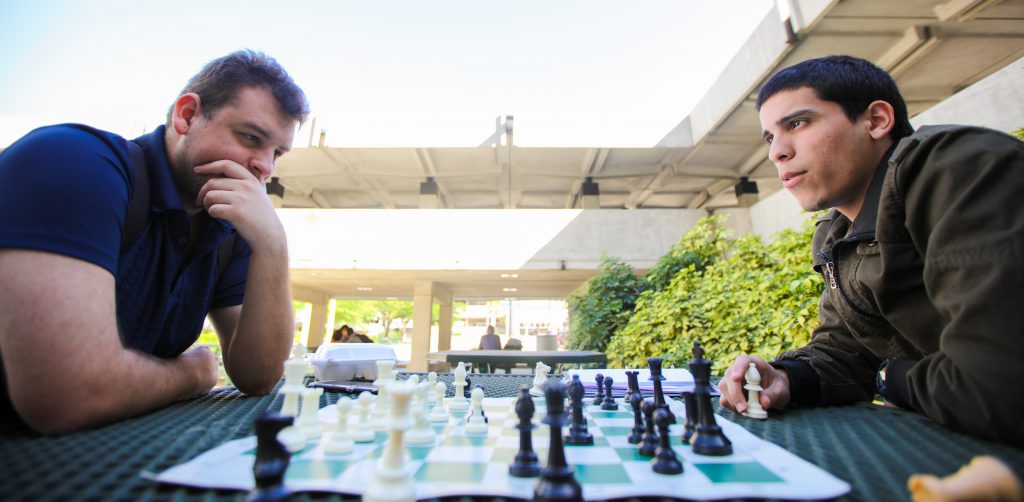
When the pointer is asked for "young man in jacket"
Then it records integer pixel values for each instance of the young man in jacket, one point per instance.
(922, 253)
(93, 328)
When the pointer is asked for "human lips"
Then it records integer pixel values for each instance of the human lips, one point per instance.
(791, 178)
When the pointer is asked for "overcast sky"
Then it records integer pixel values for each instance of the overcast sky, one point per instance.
(383, 73)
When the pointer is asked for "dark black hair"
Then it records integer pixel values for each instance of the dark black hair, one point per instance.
(850, 82)
(221, 80)
(336, 337)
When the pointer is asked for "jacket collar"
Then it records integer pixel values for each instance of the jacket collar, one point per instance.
(868, 216)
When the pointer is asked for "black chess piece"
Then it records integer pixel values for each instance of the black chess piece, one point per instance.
(557, 482)
(272, 459)
(578, 433)
(467, 391)
(637, 434)
(709, 439)
(599, 396)
(665, 460)
(609, 401)
(691, 416)
(526, 464)
(649, 443)
(654, 363)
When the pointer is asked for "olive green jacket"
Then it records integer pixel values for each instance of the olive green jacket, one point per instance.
(932, 271)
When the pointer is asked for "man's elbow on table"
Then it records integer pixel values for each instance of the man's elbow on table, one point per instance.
(257, 383)
(57, 416)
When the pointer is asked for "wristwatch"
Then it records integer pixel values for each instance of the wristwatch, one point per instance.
(880, 379)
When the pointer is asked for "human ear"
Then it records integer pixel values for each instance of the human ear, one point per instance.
(186, 107)
(881, 119)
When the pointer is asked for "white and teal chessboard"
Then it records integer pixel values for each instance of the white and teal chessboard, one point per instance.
(459, 464)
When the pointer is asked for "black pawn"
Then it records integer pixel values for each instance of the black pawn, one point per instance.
(556, 483)
(691, 416)
(609, 401)
(271, 459)
(649, 443)
(526, 464)
(637, 434)
(654, 364)
(665, 461)
(578, 433)
(598, 396)
(709, 439)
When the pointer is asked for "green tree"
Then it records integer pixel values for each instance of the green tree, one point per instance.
(752, 298)
(601, 306)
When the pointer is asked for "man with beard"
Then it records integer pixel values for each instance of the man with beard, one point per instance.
(95, 323)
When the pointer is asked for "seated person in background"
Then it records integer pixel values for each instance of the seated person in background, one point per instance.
(341, 334)
(358, 338)
(345, 334)
(489, 341)
(922, 253)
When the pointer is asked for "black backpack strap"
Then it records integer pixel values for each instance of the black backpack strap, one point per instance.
(224, 254)
(137, 215)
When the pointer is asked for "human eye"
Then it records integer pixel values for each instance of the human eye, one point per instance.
(793, 124)
(250, 138)
(768, 138)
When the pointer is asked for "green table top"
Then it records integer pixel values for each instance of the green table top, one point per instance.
(873, 448)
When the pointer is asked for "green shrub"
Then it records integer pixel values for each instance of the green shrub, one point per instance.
(749, 298)
(602, 305)
(1019, 134)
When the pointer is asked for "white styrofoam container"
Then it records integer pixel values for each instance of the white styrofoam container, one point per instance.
(346, 361)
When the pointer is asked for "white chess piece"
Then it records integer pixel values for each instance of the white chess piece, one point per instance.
(540, 377)
(385, 376)
(439, 414)
(392, 479)
(341, 439)
(421, 433)
(363, 433)
(432, 379)
(458, 402)
(294, 373)
(309, 417)
(753, 386)
(476, 424)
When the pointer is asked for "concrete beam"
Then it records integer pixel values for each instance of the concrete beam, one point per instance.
(422, 319)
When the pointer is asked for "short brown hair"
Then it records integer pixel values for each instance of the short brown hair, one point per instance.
(221, 80)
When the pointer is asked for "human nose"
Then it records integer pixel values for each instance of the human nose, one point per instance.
(262, 167)
(780, 150)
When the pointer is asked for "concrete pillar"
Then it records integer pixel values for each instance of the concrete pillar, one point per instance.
(317, 324)
(422, 319)
(444, 319)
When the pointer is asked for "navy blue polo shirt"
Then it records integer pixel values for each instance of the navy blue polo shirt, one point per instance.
(65, 189)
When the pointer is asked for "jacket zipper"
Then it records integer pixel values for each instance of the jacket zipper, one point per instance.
(833, 282)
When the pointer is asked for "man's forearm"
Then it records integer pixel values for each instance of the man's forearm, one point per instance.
(263, 337)
(126, 384)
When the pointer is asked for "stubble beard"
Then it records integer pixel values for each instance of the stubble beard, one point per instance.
(187, 182)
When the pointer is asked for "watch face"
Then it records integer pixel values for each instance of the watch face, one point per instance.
(880, 379)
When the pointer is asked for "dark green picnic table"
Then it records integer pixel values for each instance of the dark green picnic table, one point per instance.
(872, 448)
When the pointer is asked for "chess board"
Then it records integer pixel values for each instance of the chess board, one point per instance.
(461, 464)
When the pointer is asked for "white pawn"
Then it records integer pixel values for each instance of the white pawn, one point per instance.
(476, 424)
(458, 402)
(753, 386)
(540, 377)
(432, 379)
(309, 417)
(439, 414)
(341, 440)
(421, 433)
(363, 433)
